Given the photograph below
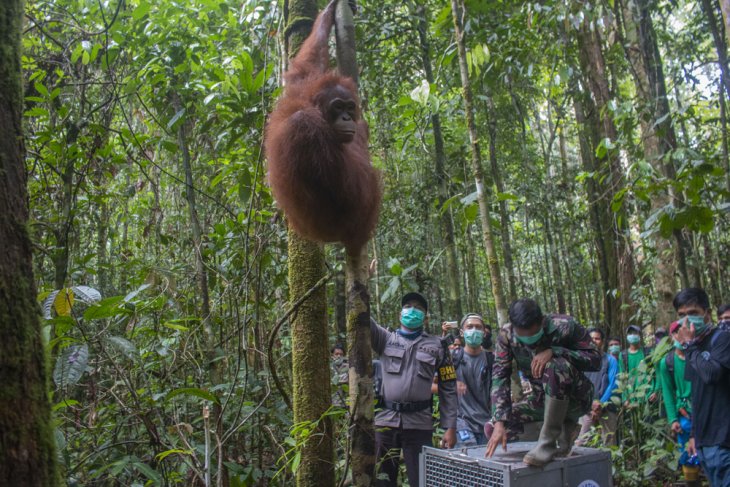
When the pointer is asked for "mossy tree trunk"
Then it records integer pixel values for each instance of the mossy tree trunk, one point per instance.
(310, 359)
(658, 139)
(26, 435)
(610, 227)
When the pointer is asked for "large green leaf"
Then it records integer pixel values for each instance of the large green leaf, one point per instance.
(70, 365)
(124, 346)
(105, 308)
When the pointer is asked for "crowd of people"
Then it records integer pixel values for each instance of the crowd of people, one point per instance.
(547, 373)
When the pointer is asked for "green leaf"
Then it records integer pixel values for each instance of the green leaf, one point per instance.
(40, 88)
(64, 404)
(104, 309)
(175, 119)
(296, 461)
(70, 365)
(124, 346)
(174, 326)
(507, 196)
(393, 288)
(77, 53)
(161, 456)
(471, 212)
(36, 112)
(142, 10)
(193, 391)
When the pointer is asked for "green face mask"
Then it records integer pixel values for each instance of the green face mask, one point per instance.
(633, 339)
(531, 340)
(412, 318)
(614, 349)
(473, 337)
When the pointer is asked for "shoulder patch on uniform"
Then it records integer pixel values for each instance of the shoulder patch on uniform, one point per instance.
(447, 373)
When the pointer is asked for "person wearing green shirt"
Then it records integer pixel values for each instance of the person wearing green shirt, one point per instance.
(676, 390)
(629, 361)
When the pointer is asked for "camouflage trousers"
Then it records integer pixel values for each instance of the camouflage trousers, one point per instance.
(560, 380)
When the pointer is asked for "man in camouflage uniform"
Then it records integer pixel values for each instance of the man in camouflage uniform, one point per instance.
(552, 352)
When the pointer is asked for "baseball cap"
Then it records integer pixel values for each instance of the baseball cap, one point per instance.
(414, 296)
(674, 327)
(634, 328)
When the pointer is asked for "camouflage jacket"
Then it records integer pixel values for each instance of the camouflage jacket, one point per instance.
(563, 335)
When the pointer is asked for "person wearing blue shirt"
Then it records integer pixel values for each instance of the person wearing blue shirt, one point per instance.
(603, 411)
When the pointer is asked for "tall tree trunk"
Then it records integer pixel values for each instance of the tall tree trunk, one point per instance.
(721, 48)
(720, 42)
(723, 126)
(340, 299)
(504, 219)
(483, 191)
(599, 216)
(63, 231)
(362, 394)
(658, 139)
(558, 285)
(567, 187)
(617, 267)
(310, 357)
(453, 307)
(27, 456)
(725, 7)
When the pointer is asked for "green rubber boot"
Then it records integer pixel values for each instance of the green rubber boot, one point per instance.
(552, 427)
(567, 437)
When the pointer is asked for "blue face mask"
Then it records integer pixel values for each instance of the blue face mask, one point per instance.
(698, 321)
(531, 340)
(633, 339)
(412, 318)
(473, 337)
(614, 349)
(677, 344)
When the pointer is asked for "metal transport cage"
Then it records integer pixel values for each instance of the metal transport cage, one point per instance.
(467, 467)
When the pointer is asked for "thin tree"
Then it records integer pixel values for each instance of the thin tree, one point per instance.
(26, 433)
(483, 190)
(453, 292)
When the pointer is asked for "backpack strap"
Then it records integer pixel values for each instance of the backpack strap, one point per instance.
(669, 362)
(457, 357)
(487, 373)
